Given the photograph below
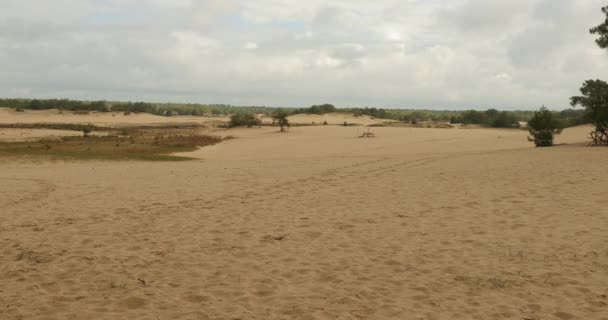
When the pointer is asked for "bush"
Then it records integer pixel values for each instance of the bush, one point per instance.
(280, 118)
(244, 119)
(543, 127)
(595, 101)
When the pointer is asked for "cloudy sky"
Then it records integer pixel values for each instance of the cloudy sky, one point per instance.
(436, 54)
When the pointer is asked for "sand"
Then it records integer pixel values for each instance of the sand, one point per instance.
(17, 134)
(112, 119)
(313, 224)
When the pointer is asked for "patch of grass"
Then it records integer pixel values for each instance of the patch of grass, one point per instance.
(147, 146)
(55, 126)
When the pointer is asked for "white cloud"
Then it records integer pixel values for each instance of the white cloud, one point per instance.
(392, 53)
(251, 45)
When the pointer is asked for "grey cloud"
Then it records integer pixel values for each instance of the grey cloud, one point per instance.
(391, 53)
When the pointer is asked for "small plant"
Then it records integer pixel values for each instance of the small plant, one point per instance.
(325, 123)
(19, 110)
(345, 124)
(367, 134)
(87, 131)
(280, 118)
(543, 127)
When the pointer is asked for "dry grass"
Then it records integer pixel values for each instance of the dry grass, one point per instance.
(149, 145)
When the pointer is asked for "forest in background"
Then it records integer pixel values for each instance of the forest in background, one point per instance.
(490, 117)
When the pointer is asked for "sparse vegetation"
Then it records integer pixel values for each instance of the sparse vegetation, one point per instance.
(244, 119)
(149, 145)
(602, 31)
(490, 118)
(595, 92)
(317, 109)
(367, 134)
(487, 118)
(595, 100)
(280, 119)
(55, 126)
(543, 127)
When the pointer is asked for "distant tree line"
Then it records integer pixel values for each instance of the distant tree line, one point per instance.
(317, 109)
(163, 109)
(245, 116)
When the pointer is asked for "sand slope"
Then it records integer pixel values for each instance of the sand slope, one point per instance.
(314, 224)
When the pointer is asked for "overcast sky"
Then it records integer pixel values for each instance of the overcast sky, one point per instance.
(435, 54)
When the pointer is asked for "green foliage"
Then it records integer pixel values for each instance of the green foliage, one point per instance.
(543, 127)
(317, 109)
(571, 117)
(154, 145)
(164, 109)
(602, 31)
(280, 119)
(490, 118)
(54, 126)
(372, 112)
(86, 131)
(244, 119)
(595, 100)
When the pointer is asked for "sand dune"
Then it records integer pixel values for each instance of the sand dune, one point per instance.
(314, 224)
(336, 118)
(116, 119)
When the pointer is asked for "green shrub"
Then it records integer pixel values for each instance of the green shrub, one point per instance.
(244, 119)
(543, 127)
(280, 118)
(595, 100)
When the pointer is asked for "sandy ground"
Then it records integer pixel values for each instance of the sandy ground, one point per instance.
(118, 119)
(313, 224)
(335, 118)
(13, 134)
(114, 119)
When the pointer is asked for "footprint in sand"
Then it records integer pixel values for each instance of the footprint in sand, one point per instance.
(132, 303)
